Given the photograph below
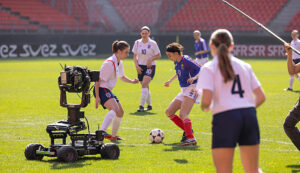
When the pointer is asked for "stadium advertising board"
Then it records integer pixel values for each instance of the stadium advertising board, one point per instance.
(46, 50)
(243, 50)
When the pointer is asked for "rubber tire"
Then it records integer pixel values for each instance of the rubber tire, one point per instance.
(30, 151)
(110, 151)
(67, 154)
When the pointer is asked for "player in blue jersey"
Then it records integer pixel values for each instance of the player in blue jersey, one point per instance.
(201, 48)
(187, 74)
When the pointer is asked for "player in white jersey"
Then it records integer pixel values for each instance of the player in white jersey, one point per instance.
(145, 52)
(293, 117)
(228, 86)
(296, 58)
(110, 71)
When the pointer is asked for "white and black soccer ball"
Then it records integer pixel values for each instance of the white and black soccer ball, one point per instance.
(156, 136)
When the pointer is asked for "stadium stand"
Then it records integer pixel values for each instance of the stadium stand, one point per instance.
(10, 22)
(137, 13)
(294, 23)
(211, 14)
(36, 11)
(87, 11)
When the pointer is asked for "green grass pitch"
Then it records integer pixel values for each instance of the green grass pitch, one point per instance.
(29, 98)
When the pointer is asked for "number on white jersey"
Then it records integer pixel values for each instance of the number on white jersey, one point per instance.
(239, 90)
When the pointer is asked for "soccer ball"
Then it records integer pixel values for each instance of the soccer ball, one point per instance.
(156, 136)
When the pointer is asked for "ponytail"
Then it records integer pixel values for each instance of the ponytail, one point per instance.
(119, 45)
(222, 40)
(224, 63)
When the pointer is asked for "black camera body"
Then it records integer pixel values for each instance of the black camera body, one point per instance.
(73, 79)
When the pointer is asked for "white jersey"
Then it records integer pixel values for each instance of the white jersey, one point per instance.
(233, 94)
(145, 51)
(296, 45)
(110, 71)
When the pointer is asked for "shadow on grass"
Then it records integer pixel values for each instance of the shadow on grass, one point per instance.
(297, 170)
(181, 161)
(296, 91)
(142, 113)
(178, 147)
(56, 164)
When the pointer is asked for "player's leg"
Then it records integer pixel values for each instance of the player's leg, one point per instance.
(145, 91)
(290, 125)
(292, 79)
(249, 156)
(223, 159)
(171, 113)
(148, 100)
(117, 121)
(112, 106)
(186, 107)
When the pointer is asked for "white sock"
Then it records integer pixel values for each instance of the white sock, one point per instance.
(115, 126)
(108, 119)
(144, 96)
(291, 82)
(148, 101)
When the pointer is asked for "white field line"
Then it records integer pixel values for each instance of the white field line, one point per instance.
(179, 131)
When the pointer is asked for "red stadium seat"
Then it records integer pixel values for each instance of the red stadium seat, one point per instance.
(294, 23)
(216, 14)
(35, 10)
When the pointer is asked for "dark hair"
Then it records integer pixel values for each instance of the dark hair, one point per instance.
(222, 39)
(119, 45)
(174, 47)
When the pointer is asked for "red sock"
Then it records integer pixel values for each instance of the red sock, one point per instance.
(177, 120)
(188, 128)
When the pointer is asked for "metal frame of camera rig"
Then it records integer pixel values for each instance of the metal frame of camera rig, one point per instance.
(74, 79)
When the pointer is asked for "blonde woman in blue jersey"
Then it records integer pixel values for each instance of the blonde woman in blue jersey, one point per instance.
(232, 92)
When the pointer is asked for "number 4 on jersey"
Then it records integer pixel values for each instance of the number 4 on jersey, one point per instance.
(237, 87)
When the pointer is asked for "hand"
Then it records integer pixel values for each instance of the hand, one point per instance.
(97, 102)
(167, 84)
(138, 69)
(191, 80)
(135, 81)
(149, 63)
(288, 49)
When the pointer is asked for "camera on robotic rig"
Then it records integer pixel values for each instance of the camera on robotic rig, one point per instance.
(74, 79)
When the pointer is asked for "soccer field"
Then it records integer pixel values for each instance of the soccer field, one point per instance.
(29, 98)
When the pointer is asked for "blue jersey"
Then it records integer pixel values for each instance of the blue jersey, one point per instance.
(186, 69)
(201, 46)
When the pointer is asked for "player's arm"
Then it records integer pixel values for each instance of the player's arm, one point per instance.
(260, 96)
(201, 52)
(126, 79)
(206, 99)
(138, 68)
(167, 84)
(97, 100)
(292, 67)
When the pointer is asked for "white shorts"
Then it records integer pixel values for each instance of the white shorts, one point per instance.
(201, 61)
(189, 92)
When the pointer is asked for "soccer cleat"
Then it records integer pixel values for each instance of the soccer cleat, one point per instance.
(288, 89)
(141, 109)
(114, 138)
(184, 136)
(149, 108)
(189, 142)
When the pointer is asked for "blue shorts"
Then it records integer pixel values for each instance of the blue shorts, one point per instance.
(235, 126)
(146, 72)
(105, 94)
